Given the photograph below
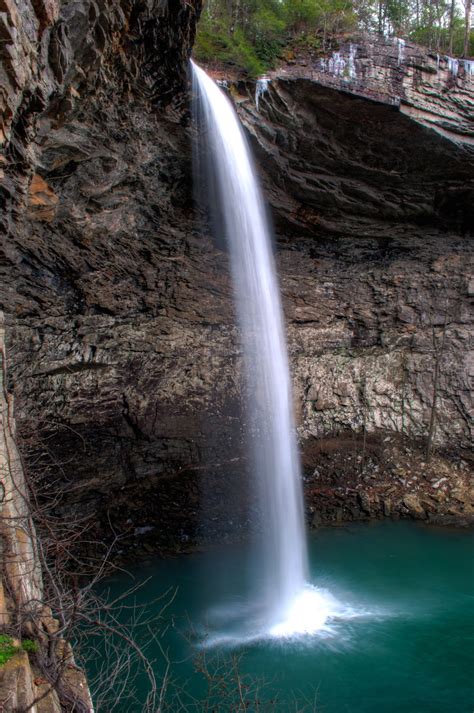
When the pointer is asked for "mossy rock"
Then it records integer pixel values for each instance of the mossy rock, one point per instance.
(9, 647)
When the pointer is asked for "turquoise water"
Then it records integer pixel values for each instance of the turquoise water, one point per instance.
(401, 639)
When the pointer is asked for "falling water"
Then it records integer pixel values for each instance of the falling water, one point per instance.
(269, 404)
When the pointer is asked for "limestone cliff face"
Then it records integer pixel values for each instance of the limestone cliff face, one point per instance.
(125, 364)
(368, 161)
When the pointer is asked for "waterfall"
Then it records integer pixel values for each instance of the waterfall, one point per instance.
(274, 458)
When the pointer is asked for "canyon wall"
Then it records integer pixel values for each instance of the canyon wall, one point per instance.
(27, 682)
(368, 163)
(124, 356)
(367, 158)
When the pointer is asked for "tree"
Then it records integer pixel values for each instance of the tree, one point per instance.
(467, 27)
(451, 26)
(252, 34)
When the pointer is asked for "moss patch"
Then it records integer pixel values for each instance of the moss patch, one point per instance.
(8, 648)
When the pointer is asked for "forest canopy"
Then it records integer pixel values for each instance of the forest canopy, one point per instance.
(253, 34)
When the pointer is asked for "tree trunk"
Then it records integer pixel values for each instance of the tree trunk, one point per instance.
(451, 27)
(430, 24)
(230, 15)
(467, 32)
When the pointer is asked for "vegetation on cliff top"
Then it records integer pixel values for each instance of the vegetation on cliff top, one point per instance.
(253, 34)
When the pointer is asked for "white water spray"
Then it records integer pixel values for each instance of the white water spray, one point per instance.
(269, 406)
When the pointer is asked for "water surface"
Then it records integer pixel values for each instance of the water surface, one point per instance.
(404, 642)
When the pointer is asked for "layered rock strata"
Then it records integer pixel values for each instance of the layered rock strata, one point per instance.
(120, 319)
(379, 202)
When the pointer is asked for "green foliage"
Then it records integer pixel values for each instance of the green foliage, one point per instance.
(7, 649)
(320, 16)
(397, 13)
(301, 15)
(439, 38)
(215, 43)
(253, 34)
(266, 33)
(31, 647)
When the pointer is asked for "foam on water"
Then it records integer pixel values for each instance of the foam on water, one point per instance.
(314, 615)
(308, 614)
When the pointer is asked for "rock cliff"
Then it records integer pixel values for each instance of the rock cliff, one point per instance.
(368, 163)
(120, 323)
(28, 678)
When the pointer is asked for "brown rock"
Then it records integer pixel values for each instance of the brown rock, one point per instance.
(414, 506)
(42, 200)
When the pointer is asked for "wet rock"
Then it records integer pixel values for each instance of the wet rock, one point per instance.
(383, 494)
(355, 513)
(364, 333)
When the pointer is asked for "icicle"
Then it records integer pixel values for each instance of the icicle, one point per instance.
(261, 88)
(352, 55)
(336, 64)
(222, 83)
(437, 62)
(469, 67)
(453, 65)
(401, 49)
